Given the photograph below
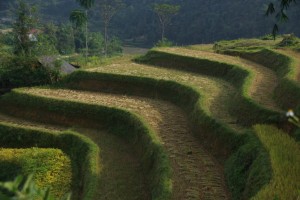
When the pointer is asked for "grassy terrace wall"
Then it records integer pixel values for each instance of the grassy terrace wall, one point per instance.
(285, 158)
(287, 94)
(123, 123)
(55, 172)
(240, 78)
(82, 151)
(247, 170)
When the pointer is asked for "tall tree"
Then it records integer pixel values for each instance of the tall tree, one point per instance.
(108, 8)
(86, 4)
(25, 22)
(280, 10)
(165, 12)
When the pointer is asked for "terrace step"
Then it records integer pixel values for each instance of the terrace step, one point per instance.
(218, 94)
(118, 164)
(196, 174)
(296, 57)
(263, 84)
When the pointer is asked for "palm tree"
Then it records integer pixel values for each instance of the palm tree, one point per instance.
(78, 17)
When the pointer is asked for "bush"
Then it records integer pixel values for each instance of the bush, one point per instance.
(164, 43)
(19, 71)
(114, 47)
(267, 37)
(81, 150)
(24, 188)
(289, 40)
(51, 168)
(44, 46)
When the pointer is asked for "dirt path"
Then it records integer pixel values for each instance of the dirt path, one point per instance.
(218, 94)
(196, 174)
(296, 57)
(263, 85)
(121, 176)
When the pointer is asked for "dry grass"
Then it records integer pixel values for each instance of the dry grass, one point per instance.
(217, 96)
(285, 160)
(196, 173)
(263, 83)
(121, 177)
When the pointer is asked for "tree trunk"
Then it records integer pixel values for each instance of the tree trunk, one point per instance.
(86, 35)
(105, 39)
(163, 31)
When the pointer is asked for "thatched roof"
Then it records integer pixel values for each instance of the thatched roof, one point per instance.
(52, 62)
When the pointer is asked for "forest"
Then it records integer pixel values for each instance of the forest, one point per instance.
(198, 21)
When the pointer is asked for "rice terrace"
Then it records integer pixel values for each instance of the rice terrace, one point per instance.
(217, 121)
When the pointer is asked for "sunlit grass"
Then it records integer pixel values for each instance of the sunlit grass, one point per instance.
(285, 160)
(51, 167)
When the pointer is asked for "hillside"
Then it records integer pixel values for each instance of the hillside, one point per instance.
(176, 123)
(198, 21)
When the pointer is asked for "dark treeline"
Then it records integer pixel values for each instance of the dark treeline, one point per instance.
(198, 21)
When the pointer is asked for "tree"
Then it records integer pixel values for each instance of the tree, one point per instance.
(79, 17)
(281, 15)
(165, 12)
(26, 21)
(65, 39)
(108, 9)
(96, 43)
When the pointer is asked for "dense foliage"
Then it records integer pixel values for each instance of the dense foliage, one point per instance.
(198, 21)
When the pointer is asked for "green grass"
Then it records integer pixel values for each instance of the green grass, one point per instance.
(287, 94)
(253, 169)
(120, 122)
(93, 61)
(241, 78)
(241, 44)
(51, 168)
(82, 152)
(284, 155)
(247, 170)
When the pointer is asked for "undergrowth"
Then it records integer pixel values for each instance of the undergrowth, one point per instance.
(80, 149)
(54, 172)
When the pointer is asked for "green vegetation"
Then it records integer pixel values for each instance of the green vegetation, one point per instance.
(177, 123)
(119, 122)
(54, 173)
(24, 188)
(287, 93)
(165, 12)
(16, 71)
(248, 169)
(80, 149)
(281, 15)
(284, 157)
(249, 151)
(237, 76)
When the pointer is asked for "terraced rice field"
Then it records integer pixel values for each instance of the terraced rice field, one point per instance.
(196, 172)
(218, 93)
(296, 57)
(118, 163)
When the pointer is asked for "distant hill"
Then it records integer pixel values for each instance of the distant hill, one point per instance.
(199, 21)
